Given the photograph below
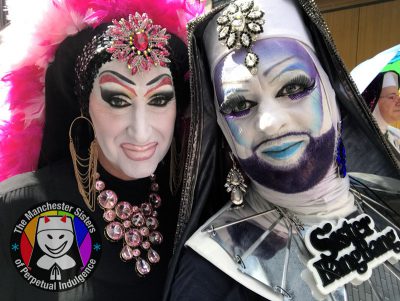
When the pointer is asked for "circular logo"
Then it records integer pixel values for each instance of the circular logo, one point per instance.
(55, 246)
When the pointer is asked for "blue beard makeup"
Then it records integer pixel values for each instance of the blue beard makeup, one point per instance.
(313, 166)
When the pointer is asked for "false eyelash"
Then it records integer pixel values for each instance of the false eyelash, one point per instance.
(166, 96)
(307, 83)
(230, 103)
(302, 80)
(110, 97)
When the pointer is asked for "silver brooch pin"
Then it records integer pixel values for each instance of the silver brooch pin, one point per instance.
(239, 26)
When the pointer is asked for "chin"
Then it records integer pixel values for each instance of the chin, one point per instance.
(139, 172)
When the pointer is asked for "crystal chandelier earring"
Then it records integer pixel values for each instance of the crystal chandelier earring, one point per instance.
(235, 184)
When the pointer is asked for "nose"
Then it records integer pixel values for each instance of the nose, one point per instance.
(139, 128)
(270, 117)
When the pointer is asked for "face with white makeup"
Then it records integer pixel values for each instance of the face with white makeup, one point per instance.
(389, 104)
(133, 117)
(278, 122)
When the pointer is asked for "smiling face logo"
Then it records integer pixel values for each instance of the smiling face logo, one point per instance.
(55, 243)
(55, 237)
(55, 246)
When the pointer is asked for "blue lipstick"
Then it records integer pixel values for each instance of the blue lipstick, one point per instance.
(283, 151)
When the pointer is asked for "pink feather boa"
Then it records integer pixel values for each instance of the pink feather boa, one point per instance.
(21, 132)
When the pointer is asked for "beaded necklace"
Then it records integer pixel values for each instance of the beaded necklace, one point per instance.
(135, 225)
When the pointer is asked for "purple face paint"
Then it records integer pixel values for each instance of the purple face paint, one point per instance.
(311, 169)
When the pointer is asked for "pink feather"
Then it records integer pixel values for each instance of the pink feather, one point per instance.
(20, 136)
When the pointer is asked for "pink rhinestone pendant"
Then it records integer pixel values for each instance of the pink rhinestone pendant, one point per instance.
(146, 245)
(109, 215)
(107, 199)
(126, 253)
(138, 220)
(141, 41)
(123, 210)
(144, 231)
(100, 185)
(127, 223)
(133, 238)
(147, 209)
(114, 231)
(155, 238)
(155, 200)
(136, 252)
(154, 187)
(153, 256)
(152, 223)
(142, 266)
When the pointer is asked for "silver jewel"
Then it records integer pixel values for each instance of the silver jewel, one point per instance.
(245, 40)
(231, 42)
(238, 26)
(251, 62)
(224, 32)
(235, 184)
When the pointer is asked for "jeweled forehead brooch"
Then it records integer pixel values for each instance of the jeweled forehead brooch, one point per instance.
(239, 26)
(138, 42)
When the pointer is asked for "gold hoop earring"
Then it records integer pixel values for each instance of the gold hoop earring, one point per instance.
(85, 168)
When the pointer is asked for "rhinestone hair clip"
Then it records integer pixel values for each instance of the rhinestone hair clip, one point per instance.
(138, 42)
(239, 26)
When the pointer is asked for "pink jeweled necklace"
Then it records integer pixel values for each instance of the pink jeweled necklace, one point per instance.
(136, 225)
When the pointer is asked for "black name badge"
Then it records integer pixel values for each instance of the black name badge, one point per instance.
(348, 251)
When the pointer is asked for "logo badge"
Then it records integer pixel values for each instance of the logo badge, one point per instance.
(55, 246)
(348, 251)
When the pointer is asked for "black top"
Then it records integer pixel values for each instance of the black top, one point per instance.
(197, 280)
(97, 271)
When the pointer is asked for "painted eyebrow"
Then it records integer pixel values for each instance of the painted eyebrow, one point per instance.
(235, 82)
(237, 91)
(156, 79)
(266, 72)
(114, 79)
(164, 81)
(228, 100)
(120, 76)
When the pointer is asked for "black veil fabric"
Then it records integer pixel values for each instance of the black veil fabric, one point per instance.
(61, 104)
(205, 169)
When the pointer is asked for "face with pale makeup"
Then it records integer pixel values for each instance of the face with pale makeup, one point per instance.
(133, 117)
(279, 124)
